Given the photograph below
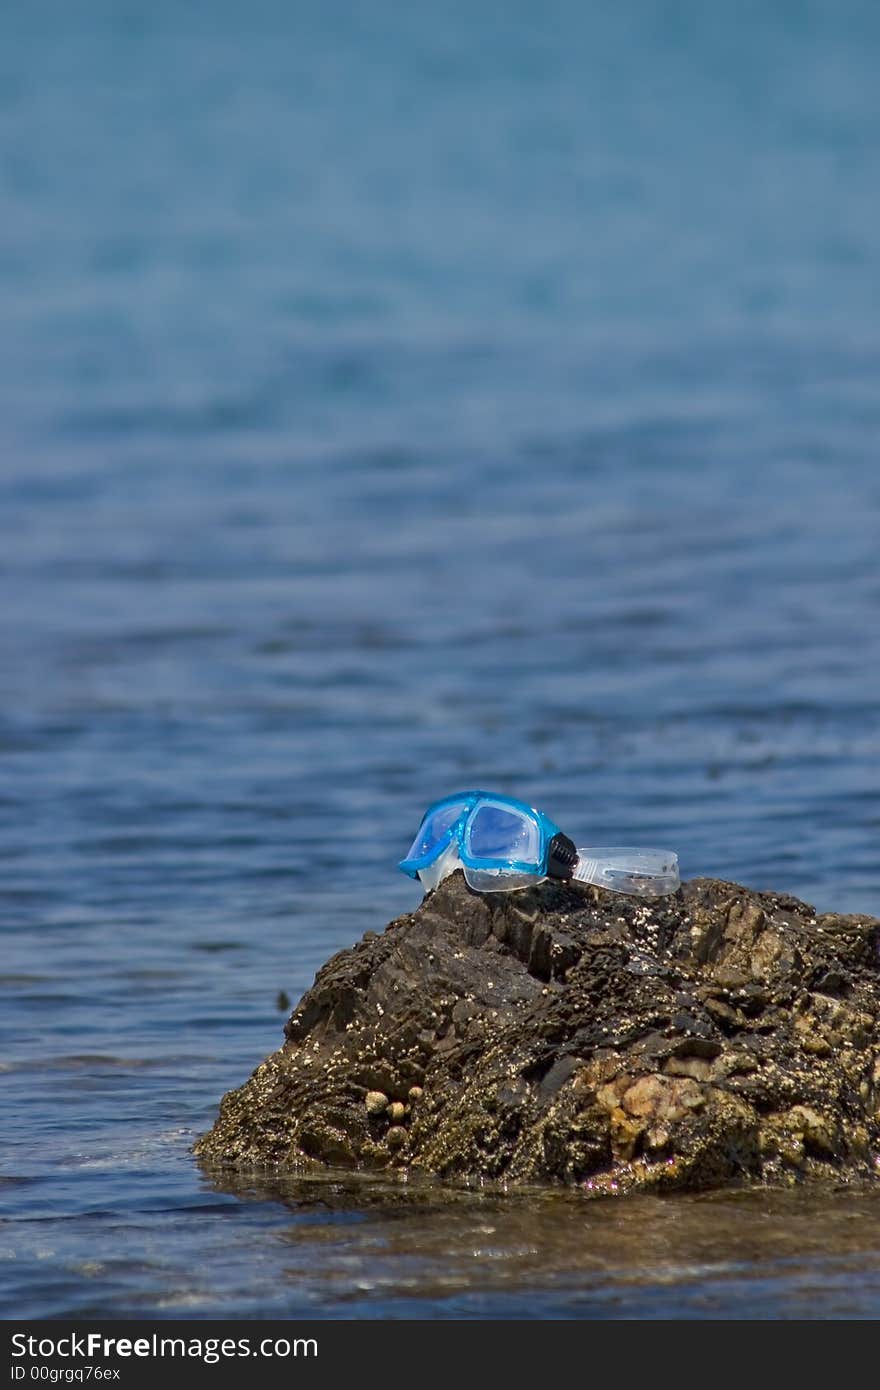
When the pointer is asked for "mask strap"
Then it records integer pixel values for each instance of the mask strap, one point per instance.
(645, 873)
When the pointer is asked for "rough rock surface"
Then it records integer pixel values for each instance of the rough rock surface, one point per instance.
(566, 1034)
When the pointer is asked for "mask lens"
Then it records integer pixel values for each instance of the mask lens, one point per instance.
(433, 828)
(498, 880)
(502, 834)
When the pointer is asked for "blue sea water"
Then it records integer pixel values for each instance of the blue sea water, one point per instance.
(395, 399)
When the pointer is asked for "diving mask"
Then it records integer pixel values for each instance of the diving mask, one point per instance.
(503, 844)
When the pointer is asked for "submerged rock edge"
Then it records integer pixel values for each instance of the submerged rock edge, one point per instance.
(720, 1037)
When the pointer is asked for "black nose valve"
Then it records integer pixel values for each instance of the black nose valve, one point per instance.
(562, 856)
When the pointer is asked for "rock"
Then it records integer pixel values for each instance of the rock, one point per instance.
(565, 1034)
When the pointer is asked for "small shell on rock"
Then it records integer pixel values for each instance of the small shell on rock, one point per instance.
(415, 1093)
(375, 1101)
(396, 1136)
(397, 1111)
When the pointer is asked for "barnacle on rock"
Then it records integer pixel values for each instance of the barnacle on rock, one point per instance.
(565, 1034)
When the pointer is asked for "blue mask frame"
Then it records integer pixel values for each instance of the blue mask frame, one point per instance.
(460, 830)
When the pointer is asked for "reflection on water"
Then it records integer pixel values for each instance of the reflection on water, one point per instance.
(414, 1245)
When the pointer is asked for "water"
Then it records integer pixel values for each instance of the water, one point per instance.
(396, 399)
